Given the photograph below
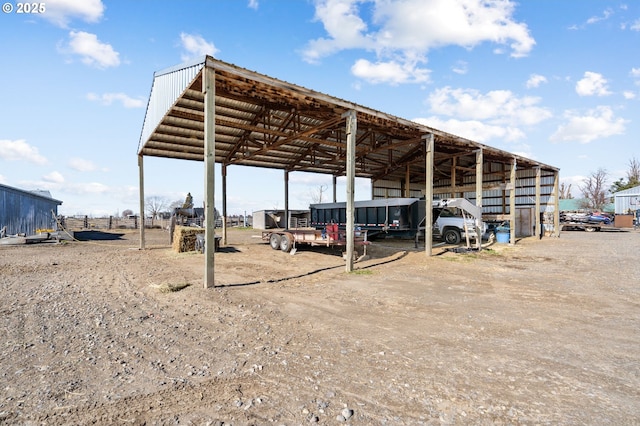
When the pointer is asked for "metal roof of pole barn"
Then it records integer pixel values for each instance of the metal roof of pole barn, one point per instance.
(264, 122)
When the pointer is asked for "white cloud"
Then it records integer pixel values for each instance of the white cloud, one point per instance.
(635, 72)
(92, 51)
(344, 27)
(629, 94)
(473, 129)
(53, 177)
(592, 84)
(20, 150)
(82, 165)
(61, 12)
(389, 72)
(405, 30)
(635, 26)
(497, 106)
(597, 123)
(3, 180)
(195, 46)
(109, 98)
(89, 188)
(535, 80)
(55, 182)
(461, 68)
(605, 15)
(482, 117)
(253, 4)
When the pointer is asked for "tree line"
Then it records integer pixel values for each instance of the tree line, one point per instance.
(597, 192)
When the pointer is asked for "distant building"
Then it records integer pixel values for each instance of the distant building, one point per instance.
(27, 211)
(627, 201)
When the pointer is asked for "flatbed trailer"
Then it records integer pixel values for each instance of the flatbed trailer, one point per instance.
(287, 239)
(583, 226)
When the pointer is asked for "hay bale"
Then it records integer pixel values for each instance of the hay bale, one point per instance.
(184, 238)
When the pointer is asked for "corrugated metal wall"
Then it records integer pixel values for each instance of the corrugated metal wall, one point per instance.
(627, 201)
(167, 87)
(22, 212)
(493, 201)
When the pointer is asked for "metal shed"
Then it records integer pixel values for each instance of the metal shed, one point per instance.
(627, 201)
(27, 211)
(213, 111)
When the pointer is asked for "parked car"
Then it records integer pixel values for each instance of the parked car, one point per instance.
(450, 226)
(600, 219)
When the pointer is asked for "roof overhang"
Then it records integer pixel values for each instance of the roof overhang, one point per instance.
(264, 122)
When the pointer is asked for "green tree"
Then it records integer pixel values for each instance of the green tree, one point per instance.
(633, 177)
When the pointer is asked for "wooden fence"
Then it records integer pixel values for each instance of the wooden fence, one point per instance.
(111, 222)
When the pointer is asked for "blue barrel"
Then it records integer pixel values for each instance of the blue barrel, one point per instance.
(502, 234)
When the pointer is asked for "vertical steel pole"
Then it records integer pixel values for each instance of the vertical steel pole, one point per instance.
(556, 204)
(286, 199)
(512, 204)
(209, 89)
(537, 222)
(334, 182)
(407, 181)
(479, 181)
(352, 130)
(428, 193)
(224, 205)
(141, 184)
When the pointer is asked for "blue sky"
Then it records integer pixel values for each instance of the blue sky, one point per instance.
(555, 81)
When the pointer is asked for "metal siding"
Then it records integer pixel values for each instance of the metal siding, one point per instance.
(626, 203)
(492, 200)
(23, 212)
(627, 200)
(165, 91)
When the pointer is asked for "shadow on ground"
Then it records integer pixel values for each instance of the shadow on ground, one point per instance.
(96, 236)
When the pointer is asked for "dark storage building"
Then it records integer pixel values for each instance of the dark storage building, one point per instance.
(24, 212)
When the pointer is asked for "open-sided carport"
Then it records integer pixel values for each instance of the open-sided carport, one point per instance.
(213, 111)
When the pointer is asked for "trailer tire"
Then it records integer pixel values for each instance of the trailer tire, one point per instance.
(590, 228)
(286, 242)
(451, 236)
(274, 241)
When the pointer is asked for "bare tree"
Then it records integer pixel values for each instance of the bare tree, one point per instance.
(633, 177)
(633, 174)
(317, 194)
(176, 204)
(154, 206)
(593, 190)
(127, 213)
(565, 191)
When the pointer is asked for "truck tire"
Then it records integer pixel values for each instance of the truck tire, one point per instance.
(274, 241)
(286, 242)
(451, 236)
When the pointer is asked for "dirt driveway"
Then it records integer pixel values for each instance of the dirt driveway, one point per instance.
(543, 332)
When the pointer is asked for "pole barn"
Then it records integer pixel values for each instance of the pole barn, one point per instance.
(215, 112)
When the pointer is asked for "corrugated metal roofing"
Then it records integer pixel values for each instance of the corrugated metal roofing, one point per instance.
(264, 122)
(26, 211)
(631, 191)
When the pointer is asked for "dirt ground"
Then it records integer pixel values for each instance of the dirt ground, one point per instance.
(542, 332)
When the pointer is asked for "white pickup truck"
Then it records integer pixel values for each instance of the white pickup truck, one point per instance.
(457, 218)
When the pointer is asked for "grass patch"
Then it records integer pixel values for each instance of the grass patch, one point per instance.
(170, 288)
(362, 272)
